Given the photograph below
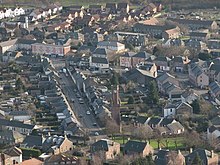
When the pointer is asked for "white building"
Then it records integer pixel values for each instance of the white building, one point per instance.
(111, 45)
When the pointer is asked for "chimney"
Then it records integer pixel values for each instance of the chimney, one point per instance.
(190, 150)
(43, 138)
(178, 152)
(212, 154)
(49, 133)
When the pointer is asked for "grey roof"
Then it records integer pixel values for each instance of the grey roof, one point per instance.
(101, 145)
(203, 154)
(196, 22)
(128, 54)
(166, 121)
(161, 157)
(14, 123)
(196, 70)
(99, 60)
(198, 34)
(216, 120)
(134, 146)
(33, 141)
(18, 113)
(141, 119)
(165, 76)
(144, 55)
(163, 58)
(214, 87)
(216, 68)
(101, 51)
(154, 121)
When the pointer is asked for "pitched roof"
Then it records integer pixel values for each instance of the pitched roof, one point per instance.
(15, 123)
(102, 145)
(141, 119)
(14, 151)
(135, 146)
(203, 154)
(101, 51)
(99, 60)
(32, 161)
(33, 141)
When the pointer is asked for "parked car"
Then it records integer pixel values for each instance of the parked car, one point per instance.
(88, 113)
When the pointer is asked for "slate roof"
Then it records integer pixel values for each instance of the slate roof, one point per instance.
(196, 70)
(14, 123)
(134, 146)
(187, 21)
(197, 34)
(101, 51)
(216, 68)
(33, 141)
(216, 120)
(128, 54)
(214, 87)
(144, 55)
(154, 121)
(99, 60)
(141, 119)
(203, 154)
(161, 157)
(101, 145)
(166, 121)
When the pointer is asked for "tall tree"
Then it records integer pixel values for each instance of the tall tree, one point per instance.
(153, 95)
(196, 106)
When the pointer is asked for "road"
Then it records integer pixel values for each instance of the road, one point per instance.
(69, 89)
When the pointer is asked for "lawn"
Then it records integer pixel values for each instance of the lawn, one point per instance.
(153, 142)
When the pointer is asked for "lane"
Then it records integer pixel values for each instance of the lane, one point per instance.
(69, 89)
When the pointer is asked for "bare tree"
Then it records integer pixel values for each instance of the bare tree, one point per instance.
(143, 133)
(112, 128)
(175, 158)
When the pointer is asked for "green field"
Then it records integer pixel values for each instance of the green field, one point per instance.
(153, 142)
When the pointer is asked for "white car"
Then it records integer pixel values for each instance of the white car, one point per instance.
(88, 113)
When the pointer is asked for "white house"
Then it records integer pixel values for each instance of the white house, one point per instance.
(8, 13)
(18, 11)
(111, 45)
(98, 63)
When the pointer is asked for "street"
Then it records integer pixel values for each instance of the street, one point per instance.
(79, 111)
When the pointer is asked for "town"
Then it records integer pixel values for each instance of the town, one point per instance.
(117, 83)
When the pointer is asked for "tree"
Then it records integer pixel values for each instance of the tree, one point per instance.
(153, 95)
(193, 140)
(112, 127)
(114, 79)
(197, 160)
(130, 100)
(205, 56)
(142, 133)
(196, 107)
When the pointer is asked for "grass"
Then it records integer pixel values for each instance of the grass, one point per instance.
(153, 142)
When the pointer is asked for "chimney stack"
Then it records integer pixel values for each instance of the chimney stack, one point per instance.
(212, 154)
(190, 150)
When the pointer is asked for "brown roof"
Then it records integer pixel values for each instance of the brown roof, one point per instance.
(32, 161)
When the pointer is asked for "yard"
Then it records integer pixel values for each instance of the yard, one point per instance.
(170, 141)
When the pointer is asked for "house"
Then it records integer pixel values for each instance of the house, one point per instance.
(173, 42)
(179, 63)
(171, 33)
(189, 96)
(95, 9)
(175, 128)
(213, 44)
(197, 24)
(137, 148)
(126, 59)
(214, 72)
(196, 44)
(62, 159)
(40, 48)
(150, 8)
(32, 141)
(201, 36)
(197, 77)
(111, 8)
(11, 156)
(142, 75)
(207, 157)
(8, 46)
(164, 157)
(111, 45)
(32, 161)
(62, 145)
(214, 90)
(139, 58)
(166, 79)
(98, 63)
(213, 133)
(100, 52)
(135, 39)
(123, 7)
(16, 126)
(20, 115)
(163, 63)
(109, 148)
(10, 137)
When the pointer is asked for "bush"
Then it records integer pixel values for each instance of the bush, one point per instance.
(30, 152)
